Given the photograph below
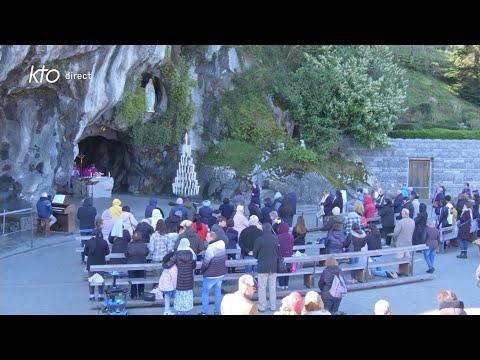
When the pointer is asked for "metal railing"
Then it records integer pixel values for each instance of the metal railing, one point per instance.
(13, 221)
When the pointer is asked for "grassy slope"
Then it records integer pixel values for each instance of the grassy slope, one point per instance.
(450, 109)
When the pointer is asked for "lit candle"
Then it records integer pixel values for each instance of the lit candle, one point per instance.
(109, 174)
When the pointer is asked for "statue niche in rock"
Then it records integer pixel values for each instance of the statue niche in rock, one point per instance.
(150, 96)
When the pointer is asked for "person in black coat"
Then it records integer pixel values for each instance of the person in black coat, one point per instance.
(465, 219)
(136, 253)
(325, 283)
(292, 200)
(398, 202)
(419, 234)
(387, 217)
(86, 215)
(254, 209)
(407, 204)
(338, 201)
(285, 212)
(266, 251)
(146, 229)
(247, 240)
(266, 210)
(226, 209)
(96, 249)
(327, 205)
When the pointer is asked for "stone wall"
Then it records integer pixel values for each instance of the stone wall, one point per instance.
(453, 162)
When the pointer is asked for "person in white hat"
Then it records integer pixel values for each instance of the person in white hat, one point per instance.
(44, 209)
(382, 307)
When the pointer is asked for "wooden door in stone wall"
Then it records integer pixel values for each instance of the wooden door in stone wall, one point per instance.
(419, 176)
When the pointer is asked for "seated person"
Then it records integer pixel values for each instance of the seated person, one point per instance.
(44, 209)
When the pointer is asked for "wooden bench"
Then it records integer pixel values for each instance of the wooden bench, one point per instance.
(447, 233)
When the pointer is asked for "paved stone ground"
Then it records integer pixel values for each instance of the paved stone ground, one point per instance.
(49, 278)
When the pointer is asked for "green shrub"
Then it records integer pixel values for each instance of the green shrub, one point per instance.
(435, 133)
(132, 106)
(239, 155)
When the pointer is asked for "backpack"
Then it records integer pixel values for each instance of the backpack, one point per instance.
(338, 288)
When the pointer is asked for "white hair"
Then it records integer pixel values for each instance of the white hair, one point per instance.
(240, 208)
(405, 213)
(382, 307)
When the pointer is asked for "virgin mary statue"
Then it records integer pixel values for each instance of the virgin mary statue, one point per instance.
(150, 96)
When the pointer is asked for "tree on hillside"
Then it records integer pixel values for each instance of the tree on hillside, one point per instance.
(348, 90)
(465, 71)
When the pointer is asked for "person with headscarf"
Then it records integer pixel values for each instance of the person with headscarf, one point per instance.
(156, 215)
(152, 204)
(107, 223)
(179, 207)
(291, 305)
(240, 220)
(119, 238)
(185, 259)
(115, 209)
(313, 304)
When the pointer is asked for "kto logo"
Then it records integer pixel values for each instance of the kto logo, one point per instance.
(50, 75)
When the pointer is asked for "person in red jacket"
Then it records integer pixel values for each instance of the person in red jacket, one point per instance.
(200, 228)
(369, 207)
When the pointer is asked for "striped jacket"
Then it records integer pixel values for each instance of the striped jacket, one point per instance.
(214, 259)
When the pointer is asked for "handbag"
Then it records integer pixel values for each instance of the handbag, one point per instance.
(281, 266)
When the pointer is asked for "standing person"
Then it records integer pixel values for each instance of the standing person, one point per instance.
(219, 227)
(152, 205)
(338, 200)
(313, 304)
(266, 250)
(465, 220)
(146, 229)
(326, 206)
(206, 214)
(285, 212)
(86, 215)
(232, 236)
(115, 209)
(238, 198)
(299, 232)
(360, 196)
(292, 200)
(325, 283)
(96, 249)
(129, 221)
(107, 223)
(240, 303)
(415, 202)
(44, 209)
(200, 228)
(159, 244)
(266, 210)
(119, 238)
(388, 220)
(404, 190)
(403, 232)
(407, 204)
(437, 198)
(285, 241)
(254, 209)
(186, 231)
(136, 253)
(380, 202)
(240, 220)
(382, 307)
(467, 191)
(168, 281)
(226, 209)
(213, 270)
(255, 194)
(432, 240)
(369, 208)
(246, 240)
(156, 215)
(191, 210)
(277, 200)
(420, 226)
(398, 203)
(185, 259)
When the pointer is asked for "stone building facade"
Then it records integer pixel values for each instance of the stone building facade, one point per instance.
(421, 163)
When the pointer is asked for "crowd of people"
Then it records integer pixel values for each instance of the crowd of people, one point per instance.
(190, 233)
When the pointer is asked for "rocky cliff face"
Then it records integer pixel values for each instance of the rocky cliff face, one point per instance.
(42, 120)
